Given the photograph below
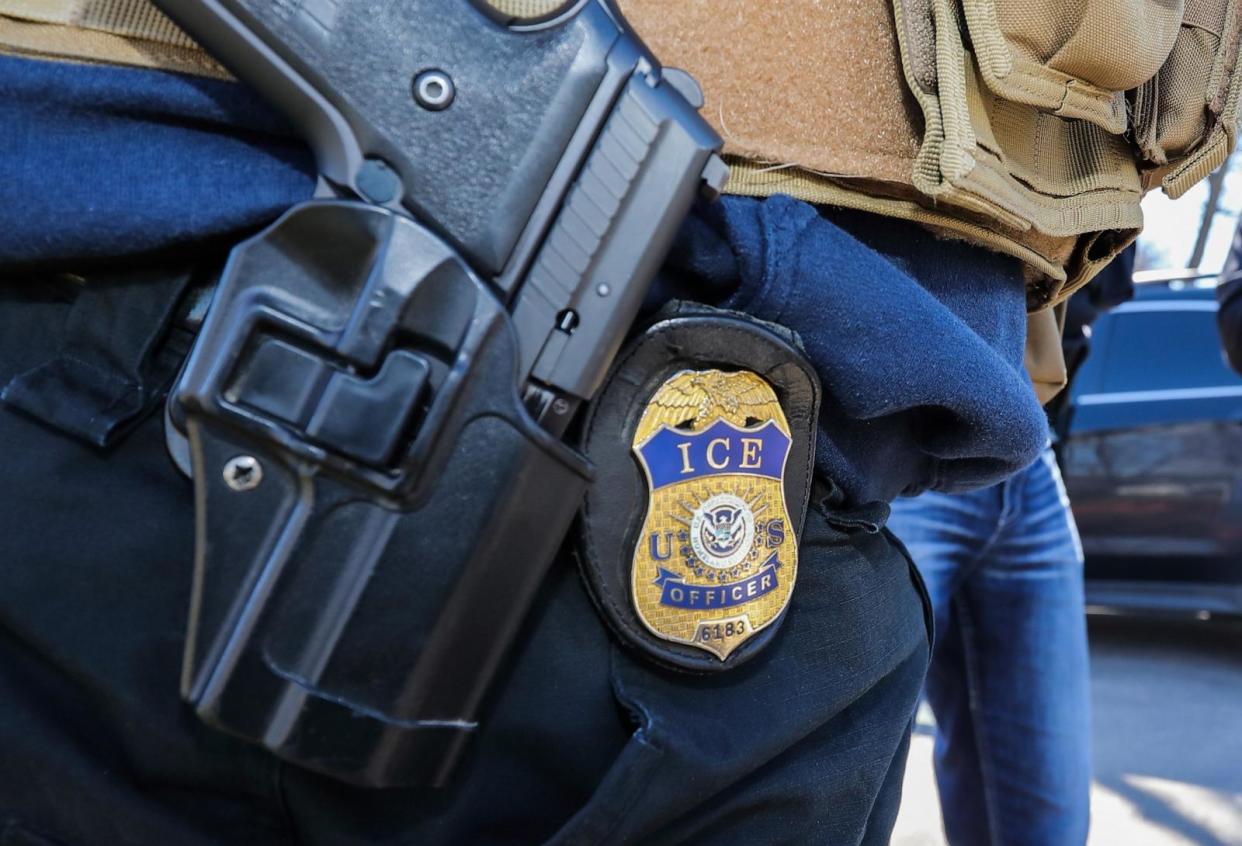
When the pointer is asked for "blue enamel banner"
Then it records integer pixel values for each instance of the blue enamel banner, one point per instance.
(673, 456)
(677, 594)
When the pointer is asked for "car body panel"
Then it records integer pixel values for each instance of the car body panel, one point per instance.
(1151, 451)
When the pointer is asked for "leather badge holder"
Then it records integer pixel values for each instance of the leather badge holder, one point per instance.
(703, 438)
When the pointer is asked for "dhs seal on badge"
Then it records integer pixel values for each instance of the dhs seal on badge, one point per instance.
(702, 439)
(717, 557)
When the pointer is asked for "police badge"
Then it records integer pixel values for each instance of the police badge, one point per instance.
(703, 441)
(717, 556)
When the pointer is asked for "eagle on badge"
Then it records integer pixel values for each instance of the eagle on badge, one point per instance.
(723, 532)
(716, 559)
(694, 397)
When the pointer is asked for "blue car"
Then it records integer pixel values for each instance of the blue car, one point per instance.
(1151, 449)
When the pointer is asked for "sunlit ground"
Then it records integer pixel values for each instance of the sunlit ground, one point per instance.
(1167, 700)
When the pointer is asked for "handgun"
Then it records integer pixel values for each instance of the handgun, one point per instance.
(374, 413)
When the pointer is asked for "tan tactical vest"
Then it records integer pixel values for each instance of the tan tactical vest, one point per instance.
(1032, 127)
(1029, 126)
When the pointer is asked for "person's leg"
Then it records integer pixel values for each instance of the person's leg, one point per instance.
(945, 536)
(1024, 643)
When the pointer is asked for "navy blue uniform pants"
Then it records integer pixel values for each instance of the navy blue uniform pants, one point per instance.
(582, 742)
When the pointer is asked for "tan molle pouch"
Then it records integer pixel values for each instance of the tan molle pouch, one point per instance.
(1185, 117)
(1015, 163)
(1072, 58)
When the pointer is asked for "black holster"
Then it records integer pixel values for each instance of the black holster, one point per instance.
(374, 410)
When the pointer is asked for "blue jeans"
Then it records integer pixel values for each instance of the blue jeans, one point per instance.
(1008, 682)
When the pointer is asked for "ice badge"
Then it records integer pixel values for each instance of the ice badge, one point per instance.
(717, 558)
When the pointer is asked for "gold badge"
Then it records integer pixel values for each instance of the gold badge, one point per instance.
(717, 558)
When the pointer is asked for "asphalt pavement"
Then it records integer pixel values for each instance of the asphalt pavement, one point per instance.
(1167, 715)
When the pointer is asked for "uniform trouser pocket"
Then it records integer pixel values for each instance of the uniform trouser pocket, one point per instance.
(818, 720)
(96, 545)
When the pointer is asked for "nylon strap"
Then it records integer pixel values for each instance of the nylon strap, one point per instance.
(134, 18)
(123, 32)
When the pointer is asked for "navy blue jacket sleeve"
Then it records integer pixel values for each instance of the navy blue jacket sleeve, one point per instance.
(101, 162)
(918, 341)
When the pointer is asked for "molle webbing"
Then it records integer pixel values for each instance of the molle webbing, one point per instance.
(1185, 117)
(1000, 139)
(1011, 161)
(123, 32)
(1062, 56)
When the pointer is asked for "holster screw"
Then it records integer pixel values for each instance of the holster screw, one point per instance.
(243, 473)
